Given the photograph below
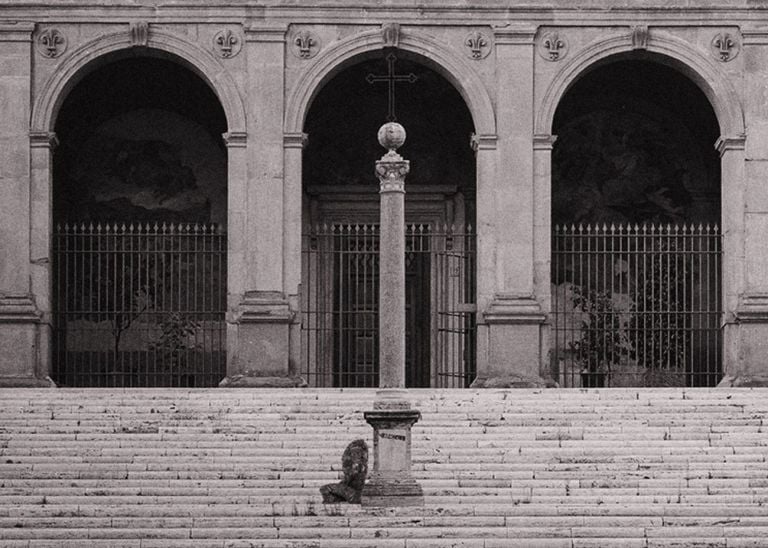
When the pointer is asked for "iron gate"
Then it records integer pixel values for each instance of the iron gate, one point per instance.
(340, 295)
(139, 305)
(636, 305)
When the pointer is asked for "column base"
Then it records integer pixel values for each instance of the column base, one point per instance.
(389, 491)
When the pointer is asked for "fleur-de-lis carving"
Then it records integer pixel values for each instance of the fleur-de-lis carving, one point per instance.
(51, 43)
(227, 43)
(304, 41)
(476, 43)
(553, 46)
(725, 46)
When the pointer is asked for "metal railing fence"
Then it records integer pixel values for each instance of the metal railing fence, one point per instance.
(139, 304)
(340, 295)
(636, 305)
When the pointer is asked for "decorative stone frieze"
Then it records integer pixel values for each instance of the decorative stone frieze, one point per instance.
(305, 44)
(139, 32)
(552, 46)
(640, 37)
(725, 46)
(478, 45)
(51, 43)
(390, 35)
(226, 43)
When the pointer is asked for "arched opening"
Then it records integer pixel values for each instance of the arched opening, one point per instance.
(340, 222)
(636, 277)
(140, 211)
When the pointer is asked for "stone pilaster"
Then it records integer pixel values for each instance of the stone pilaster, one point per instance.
(510, 330)
(19, 312)
(260, 312)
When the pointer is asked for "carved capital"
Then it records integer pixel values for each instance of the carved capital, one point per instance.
(544, 141)
(640, 37)
(725, 143)
(305, 44)
(482, 142)
(43, 139)
(478, 45)
(227, 43)
(235, 139)
(390, 35)
(725, 46)
(295, 140)
(391, 171)
(51, 43)
(139, 32)
(553, 46)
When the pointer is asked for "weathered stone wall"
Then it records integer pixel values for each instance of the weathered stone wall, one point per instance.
(267, 60)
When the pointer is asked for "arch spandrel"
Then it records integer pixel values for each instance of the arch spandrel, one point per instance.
(663, 47)
(462, 76)
(76, 64)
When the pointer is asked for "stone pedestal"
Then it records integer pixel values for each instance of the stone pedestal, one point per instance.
(391, 483)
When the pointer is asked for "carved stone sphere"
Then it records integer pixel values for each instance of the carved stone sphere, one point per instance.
(391, 135)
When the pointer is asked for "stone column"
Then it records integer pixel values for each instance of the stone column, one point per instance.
(19, 313)
(510, 324)
(391, 483)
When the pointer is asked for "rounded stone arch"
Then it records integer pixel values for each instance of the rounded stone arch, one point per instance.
(91, 55)
(663, 48)
(435, 54)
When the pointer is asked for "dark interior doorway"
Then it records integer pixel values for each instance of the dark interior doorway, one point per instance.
(341, 189)
(636, 245)
(140, 212)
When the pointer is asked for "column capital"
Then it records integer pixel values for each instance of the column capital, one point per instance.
(295, 140)
(43, 139)
(391, 171)
(483, 142)
(263, 32)
(514, 36)
(235, 139)
(18, 308)
(543, 141)
(727, 143)
(20, 31)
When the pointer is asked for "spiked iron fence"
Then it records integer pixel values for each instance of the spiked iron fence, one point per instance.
(340, 306)
(139, 305)
(636, 305)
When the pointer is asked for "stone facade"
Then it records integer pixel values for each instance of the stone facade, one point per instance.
(266, 61)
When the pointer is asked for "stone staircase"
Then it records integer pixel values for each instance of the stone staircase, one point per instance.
(499, 468)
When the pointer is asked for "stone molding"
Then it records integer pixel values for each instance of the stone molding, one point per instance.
(483, 142)
(702, 68)
(725, 144)
(544, 142)
(447, 60)
(18, 309)
(71, 68)
(43, 139)
(752, 308)
(235, 139)
(754, 37)
(514, 36)
(295, 140)
(264, 307)
(514, 309)
(266, 33)
(16, 32)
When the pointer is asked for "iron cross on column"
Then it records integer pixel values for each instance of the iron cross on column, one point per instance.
(391, 78)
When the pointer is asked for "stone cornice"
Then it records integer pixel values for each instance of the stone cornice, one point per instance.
(265, 32)
(43, 139)
(16, 32)
(295, 140)
(235, 139)
(544, 142)
(725, 143)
